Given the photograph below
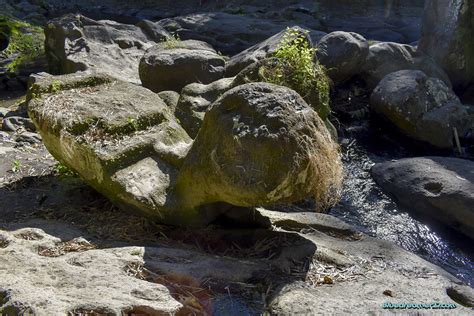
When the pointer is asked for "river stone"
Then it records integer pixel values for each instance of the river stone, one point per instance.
(438, 188)
(385, 58)
(271, 147)
(422, 107)
(77, 43)
(174, 64)
(122, 139)
(260, 51)
(342, 53)
(448, 36)
(195, 100)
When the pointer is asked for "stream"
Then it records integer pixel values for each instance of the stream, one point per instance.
(366, 207)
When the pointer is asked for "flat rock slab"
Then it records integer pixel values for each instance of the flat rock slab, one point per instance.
(297, 221)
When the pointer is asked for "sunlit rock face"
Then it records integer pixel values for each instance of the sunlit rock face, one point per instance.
(448, 37)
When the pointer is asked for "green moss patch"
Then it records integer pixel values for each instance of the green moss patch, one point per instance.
(25, 41)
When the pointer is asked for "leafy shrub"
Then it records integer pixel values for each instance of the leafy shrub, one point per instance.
(298, 69)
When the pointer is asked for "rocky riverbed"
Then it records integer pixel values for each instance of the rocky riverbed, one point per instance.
(169, 158)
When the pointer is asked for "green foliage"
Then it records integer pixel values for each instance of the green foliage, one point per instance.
(55, 86)
(298, 69)
(16, 165)
(173, 42)
(64, 171)
(25, 40)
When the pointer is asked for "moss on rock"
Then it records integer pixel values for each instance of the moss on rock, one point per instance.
(25, 41)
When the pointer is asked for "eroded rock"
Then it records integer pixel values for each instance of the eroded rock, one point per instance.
(77, 43)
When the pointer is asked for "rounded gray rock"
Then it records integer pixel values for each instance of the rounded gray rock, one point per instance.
(172, 66)
(342, 53)
(422, 107)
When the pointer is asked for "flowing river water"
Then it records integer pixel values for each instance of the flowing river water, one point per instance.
(366, 207)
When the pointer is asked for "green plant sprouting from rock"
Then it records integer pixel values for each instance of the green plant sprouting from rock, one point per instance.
(25, 41)
(298, 69)
(174, 41)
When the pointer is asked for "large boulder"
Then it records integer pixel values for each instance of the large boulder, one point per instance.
(261, 144)
(77, 43)
(174, 64)
(262, 50)
(343, 54)
(436, 188)
(420, 106)
(448, 36)
(385, 58)
(122, 139)
(195, 100)
(267, 147)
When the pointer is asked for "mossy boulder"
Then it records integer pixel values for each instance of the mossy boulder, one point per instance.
(261, 144)
(122, 139)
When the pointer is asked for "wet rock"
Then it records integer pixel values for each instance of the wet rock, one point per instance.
(270, 142)
(385, 58)
(14, 123)
(173, 65)
(260, 51)
(435, 188)
(447, 36)
(342, 53)
(422, 107)
(195, 100)
(77, 43)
